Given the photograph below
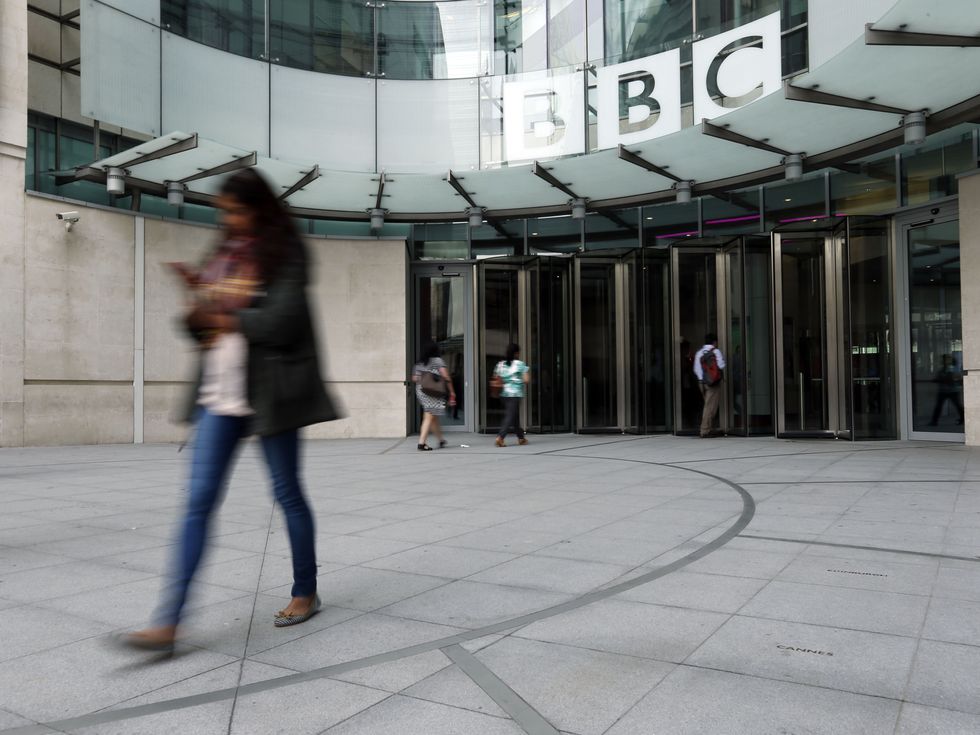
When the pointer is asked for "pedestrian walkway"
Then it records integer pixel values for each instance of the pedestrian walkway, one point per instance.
(583, 585)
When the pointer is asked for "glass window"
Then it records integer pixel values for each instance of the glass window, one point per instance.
(936, 323)
(75, 152)
(637, 28)
(867, 187)
(715, 16)
(929, 172)
(199, 213)
(557, 234)
(612, 229)
(448, 40)
(30, 177)
(237, 26)
(730, 214)
(520, 36)
(442, 241)
(795, 202)
(566, 32)
(47, 149)
(795, 52)
(666, 223)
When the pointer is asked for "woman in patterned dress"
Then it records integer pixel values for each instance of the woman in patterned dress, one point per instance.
(432, 407)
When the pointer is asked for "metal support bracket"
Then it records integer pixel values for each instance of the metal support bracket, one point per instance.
(637, 160)
(542, 173)
(308, 178)
(814, 96)
(877, 37)
(731, 136)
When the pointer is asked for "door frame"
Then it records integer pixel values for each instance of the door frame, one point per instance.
(465, 271)
(929, 214)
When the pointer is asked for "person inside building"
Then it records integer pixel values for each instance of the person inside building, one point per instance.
(709, 366)
(259, 374)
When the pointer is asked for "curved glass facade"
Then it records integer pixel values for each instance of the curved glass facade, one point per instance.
(457, 39)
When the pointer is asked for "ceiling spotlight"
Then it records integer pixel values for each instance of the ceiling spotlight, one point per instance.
(578, 208)
(476, 216)
(175, 193)
(377, 219)
(114, 181)
(915, 128)
(793, 165)
(683, 189)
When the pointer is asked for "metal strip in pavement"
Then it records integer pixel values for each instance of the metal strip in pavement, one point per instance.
(860, 547)
(526, 717)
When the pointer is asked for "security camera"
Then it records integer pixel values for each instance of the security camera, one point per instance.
(69, 219)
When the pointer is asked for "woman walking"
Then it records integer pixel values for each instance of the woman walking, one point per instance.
(259, 374)
(515, 375)
(433, 406)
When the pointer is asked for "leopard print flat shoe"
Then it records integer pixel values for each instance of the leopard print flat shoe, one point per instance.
(284, 619)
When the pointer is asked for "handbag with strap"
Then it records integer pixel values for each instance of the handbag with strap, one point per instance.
(496, 383)
(433, 384)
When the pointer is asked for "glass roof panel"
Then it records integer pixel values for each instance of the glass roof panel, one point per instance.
(280, 175)
(605, 175)
(422, 193)
(958, 17)
(511, 188)
(339, 190)
(179, 166)
(149, 146)
(692, 155)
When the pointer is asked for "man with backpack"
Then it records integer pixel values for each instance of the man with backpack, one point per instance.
(709, 366)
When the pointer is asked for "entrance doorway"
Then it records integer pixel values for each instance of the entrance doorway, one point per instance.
(443, 296)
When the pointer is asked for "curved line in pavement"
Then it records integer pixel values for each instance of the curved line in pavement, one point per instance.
(194, 700)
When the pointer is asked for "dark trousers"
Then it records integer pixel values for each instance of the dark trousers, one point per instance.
(512, 418)
(216, 443)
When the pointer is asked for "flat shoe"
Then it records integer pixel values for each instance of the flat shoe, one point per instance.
(425, 448)
(141, 643)
(284, 620)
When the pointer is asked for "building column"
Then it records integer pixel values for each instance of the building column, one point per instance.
(13, 150)
(969, 208)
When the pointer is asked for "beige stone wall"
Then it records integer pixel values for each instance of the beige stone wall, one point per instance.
(79, 338)
(13, 142)
(969, 206)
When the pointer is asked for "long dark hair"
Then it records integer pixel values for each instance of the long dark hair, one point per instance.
(274, 229)
(512, 349)
(430, 350)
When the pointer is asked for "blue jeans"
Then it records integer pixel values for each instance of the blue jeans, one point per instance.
(216, 442)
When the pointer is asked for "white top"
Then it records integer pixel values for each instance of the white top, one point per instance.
(223, 389)
(719, 358)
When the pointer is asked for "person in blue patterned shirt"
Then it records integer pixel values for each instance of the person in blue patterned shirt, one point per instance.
(515, 376)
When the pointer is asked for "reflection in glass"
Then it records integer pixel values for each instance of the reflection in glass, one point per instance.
(930, 172)
(936, 328)
(608, 230)
(332, 36)
(597, 310)
(442, 318)
(731, 213)
(715, 16)
(804, 307)
(735, 378)
(638, 28)
(650, 340)
(566, 32)
(520, 36)
(870, 310)
(237, 26)
(447, 40)
(500, 328)
(867, 187)
(549, 397)
(756, 360)
(797, 201)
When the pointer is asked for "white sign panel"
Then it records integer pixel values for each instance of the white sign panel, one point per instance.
(741, 76)
(639, 100)
(544, 117)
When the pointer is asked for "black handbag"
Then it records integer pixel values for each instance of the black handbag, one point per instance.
(433, 384)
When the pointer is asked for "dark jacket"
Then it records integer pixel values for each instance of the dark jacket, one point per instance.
(285, 388)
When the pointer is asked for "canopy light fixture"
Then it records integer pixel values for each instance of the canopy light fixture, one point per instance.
(578, 208)
(175, 193)
(115, 180)
(683, 190)
(377, 218)
(915, 128)
(793, 166)
(476, 216)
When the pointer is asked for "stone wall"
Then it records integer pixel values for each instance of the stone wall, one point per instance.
(100, 332)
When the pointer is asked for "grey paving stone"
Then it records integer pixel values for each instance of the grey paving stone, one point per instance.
(854, 661)
(918, 720)
(305, 708)
(743, 563)
(868, 574)
(509, 542)
(357, 549)
(573, 688)
(711, 592)
(204, 719)
(608, 550)
(9, 720)
(19, 560)
(452, 687)
(418, 530)
(104, 544)
(698, 701)
(953, 621)
(474, 604)
(960, 582)
(29, 629)
(65, 579)
(946, 675)
(111, 675)
(363, 636)
(360, 588)
(28, 533)
(551, 574)
(839, 607)
(406, 716)
(394, 676)
(441, 561)
(631, 628)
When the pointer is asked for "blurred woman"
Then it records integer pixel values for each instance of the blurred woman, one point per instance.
(259, 374)
(433, 405)
(515, 375)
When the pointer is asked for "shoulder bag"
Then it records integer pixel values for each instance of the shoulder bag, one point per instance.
(433, 384)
